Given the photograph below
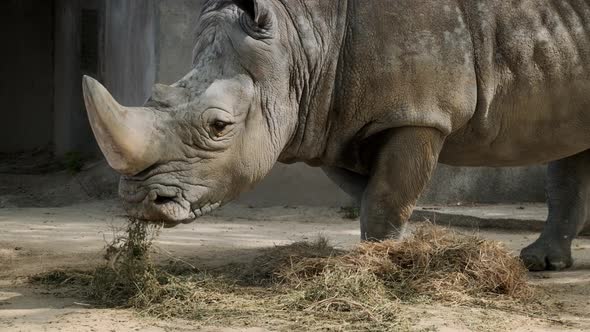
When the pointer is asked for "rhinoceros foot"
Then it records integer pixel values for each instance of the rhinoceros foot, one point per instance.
(547, 254)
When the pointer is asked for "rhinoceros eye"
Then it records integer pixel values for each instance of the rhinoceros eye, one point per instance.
(219, 127)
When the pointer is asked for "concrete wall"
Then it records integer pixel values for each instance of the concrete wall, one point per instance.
(71, 129)
(178, 19)
(129, 71)
(125, 61)
(302, 185)
(49, 46)
(26, 67)
(486, 185)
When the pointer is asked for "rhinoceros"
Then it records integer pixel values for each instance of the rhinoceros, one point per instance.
(374, 92)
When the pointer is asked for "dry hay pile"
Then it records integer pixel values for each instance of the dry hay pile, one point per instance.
(433, 262)
(311, 286)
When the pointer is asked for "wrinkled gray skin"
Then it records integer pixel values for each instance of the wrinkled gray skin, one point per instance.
(376, 92)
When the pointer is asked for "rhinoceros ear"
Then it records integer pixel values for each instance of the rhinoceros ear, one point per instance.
(258, 11)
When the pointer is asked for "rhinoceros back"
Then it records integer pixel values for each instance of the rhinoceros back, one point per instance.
(532, 62)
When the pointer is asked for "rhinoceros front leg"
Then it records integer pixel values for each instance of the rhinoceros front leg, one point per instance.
(568, 197)
(400, 171)
(351, 183)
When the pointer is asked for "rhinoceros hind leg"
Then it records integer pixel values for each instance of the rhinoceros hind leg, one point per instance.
(568, 184)
(401, 169)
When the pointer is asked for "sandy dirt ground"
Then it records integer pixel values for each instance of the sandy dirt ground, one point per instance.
(37, 239)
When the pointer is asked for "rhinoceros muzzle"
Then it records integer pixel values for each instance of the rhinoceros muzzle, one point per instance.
(167, 208)
(162, 203)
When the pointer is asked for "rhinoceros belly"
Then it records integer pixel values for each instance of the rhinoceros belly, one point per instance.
(533, 67)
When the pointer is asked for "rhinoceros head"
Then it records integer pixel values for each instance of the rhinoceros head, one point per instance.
(198, 143)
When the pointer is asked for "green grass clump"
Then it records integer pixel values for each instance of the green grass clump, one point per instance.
(350, 212)
(73, 161)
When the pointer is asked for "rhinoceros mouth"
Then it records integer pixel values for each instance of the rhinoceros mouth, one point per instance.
(169, 209)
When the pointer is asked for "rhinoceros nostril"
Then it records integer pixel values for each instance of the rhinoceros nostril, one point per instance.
(160, 200)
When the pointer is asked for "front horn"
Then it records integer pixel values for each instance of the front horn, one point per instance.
(127, 136)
